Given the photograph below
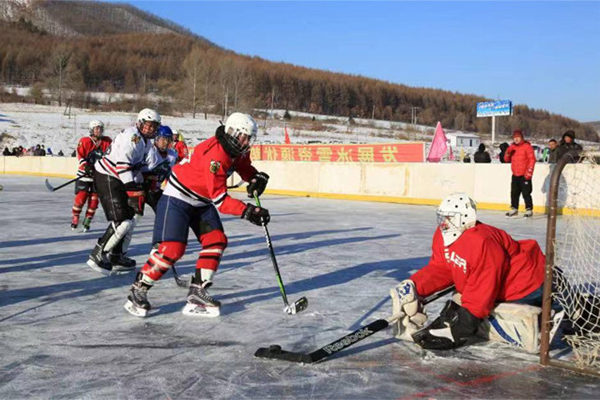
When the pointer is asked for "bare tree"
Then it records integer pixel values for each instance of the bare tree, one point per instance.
(241, 82)
(200, 71)
(60, 61)
(225, 73)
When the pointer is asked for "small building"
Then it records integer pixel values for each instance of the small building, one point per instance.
(464, 140)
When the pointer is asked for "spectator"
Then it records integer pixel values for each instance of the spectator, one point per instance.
(522, 161)
(43, 152)
(482, 156)
(60, 153)
(503, 148)
(467, 159)
(49, 152)
(568, 146)
(37, 151)
(552, 151)
(74, 153)
(6, 152)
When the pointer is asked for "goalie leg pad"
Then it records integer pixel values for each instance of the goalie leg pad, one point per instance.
(120, 231)
(515, 324)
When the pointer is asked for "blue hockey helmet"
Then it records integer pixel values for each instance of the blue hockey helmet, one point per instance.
(164, 131)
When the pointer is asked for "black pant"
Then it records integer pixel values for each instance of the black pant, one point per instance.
(520, 185)
(113, 198)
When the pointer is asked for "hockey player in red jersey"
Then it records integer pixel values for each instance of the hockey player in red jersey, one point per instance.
(180, 147)
(89, 150)
(119, 181)
(487, 267)
(195, 189)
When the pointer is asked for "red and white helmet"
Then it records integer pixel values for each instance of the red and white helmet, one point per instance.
(456, 213)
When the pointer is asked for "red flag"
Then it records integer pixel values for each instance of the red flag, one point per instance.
(287, 137)
(439, 145)
(451, 154)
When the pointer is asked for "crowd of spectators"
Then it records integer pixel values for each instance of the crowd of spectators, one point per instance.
(37, 150)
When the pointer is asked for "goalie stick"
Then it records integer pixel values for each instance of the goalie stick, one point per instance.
(275, 351)
(54, 189)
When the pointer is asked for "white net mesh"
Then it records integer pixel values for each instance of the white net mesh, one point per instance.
(577, 258)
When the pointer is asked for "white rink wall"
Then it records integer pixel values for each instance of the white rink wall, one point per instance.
(410, 183)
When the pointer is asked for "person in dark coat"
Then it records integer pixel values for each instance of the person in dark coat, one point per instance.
(567, 145)
(482, 156)
(6, 152)
(503, 148)
(552, 151)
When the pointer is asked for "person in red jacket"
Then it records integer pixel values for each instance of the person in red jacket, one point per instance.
(194, 194)
(180, 147)
(89, 150)
(486, 266)
(521, 157)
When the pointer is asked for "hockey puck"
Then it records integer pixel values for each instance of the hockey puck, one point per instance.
(274, 348)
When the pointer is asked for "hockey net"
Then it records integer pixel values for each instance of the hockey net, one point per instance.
(573, 261)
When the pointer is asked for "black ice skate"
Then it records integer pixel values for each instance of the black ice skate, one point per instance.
(200, 304)
(120, 263)
(99, 262)
(512, 213)
(137, 301)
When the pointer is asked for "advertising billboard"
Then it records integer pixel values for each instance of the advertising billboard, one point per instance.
(494, 108)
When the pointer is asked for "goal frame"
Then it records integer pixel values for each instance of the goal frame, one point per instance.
(553, 211)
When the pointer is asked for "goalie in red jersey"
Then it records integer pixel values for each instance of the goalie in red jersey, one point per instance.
(499, 281)
(89, 150)
(194, 194)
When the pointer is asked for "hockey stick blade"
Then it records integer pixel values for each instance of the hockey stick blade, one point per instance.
(275, 352)
(298, 306)
(49, 186)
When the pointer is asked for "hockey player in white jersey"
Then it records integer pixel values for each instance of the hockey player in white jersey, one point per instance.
(119, 182)
(161, 158)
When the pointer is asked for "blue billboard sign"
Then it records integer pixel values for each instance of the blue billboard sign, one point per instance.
(494, 108)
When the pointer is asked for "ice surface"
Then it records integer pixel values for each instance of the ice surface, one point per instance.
(65, 333)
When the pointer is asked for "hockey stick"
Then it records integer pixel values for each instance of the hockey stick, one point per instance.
(300, 304)
(237, 185)
(182, 283)
(275, 352)
(54, 189)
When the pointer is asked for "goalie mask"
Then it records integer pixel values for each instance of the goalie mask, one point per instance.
(456, 214)
(239, 134)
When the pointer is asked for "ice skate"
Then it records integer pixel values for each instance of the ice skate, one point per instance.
(137, 301)
(512, 213)
(98, 261)
(528, 213)
(74, 222)
(200, 304)
(86, 224)
(120, 263)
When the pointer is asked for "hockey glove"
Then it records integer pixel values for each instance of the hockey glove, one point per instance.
(406, 302)
(256, 215)
(451, 329)
(136, 195)
(257, 184)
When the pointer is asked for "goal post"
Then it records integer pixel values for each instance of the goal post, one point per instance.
(572, 278)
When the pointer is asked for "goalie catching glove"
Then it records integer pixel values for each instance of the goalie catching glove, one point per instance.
(136, 197)
(451, 329)
(256, 215)
(406, 304)
(257, 184)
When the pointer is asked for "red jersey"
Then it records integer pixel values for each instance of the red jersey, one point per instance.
(202, 179)
(90, 150)
(486, 265)
(181, 149)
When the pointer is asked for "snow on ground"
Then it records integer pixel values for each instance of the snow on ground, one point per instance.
(31, 124)
(65, 333)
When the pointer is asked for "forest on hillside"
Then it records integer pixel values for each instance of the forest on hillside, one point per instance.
(193, 75)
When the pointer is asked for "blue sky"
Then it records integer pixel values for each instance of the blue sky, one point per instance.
(542, 54)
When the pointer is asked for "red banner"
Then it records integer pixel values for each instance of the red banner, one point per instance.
(382, 153)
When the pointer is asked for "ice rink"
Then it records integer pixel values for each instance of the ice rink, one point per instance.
(65, 333)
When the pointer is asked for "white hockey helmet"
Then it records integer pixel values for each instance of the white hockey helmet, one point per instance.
(456, 213)
(148, 115)
(240, 133)
(96, 123)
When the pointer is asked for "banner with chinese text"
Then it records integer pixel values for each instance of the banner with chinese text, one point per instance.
(383, 153)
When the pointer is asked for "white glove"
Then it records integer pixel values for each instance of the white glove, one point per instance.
(407, 305)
